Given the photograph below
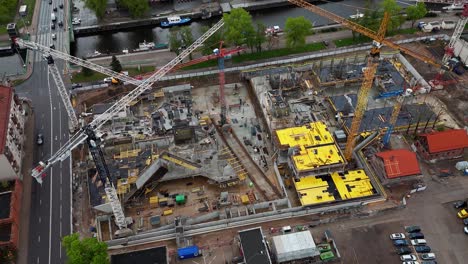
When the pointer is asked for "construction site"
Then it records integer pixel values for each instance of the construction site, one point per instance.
(194, 155)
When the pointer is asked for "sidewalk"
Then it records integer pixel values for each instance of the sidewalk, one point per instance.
(22, 256)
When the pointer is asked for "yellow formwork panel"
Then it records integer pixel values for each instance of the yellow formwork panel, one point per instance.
(353, 184)
(154, 200)
(127, 154)
(245, 199)
(316, 135)
(315, 196)
(309, 182)
(316, 157)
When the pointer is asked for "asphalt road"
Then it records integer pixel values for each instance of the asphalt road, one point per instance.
(50, 203)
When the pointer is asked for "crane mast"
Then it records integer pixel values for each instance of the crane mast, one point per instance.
(88, 133)
(54, 71)
(393, 119)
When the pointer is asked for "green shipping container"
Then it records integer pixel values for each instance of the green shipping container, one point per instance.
(180, 199)
(327, 256)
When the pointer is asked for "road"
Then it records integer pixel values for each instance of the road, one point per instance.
(50, 203)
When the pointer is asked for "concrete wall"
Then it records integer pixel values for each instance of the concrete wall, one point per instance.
(5, 167)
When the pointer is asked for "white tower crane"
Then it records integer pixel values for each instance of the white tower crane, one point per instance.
(88, 133)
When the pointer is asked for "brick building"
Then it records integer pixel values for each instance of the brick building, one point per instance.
(442, 145)
(11, 134)
(395, 166)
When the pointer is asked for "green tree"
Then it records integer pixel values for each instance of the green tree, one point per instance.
(296, 30)
(212, 42)
(98, 6)
(85, 251)
(238, 26)
(416, 12)
(86, 71)
(186, 37)
(115, 64)
(137, 8)
(260, 36)
(394, 10)
(175, 43)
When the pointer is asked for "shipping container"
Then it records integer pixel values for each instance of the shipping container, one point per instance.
(189, 252)
(327, 256)
(167, 212)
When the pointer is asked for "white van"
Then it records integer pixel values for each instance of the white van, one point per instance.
(52, 16)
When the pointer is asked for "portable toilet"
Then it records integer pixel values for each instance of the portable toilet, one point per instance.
(180, 199)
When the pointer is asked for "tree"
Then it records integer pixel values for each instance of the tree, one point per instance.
(98, 6)
(393, 9)
(174, 41)
(260, 37)
(85, 251)
(186, 37)
(86, 71)
(137, 8)
(238, 26)
(296, 30)
(115, 64)
(212, 42)
(416, 12)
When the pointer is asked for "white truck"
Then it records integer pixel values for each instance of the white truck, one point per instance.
(449, 24)
(436, 25)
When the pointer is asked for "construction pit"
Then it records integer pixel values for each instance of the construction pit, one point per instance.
(282, 148)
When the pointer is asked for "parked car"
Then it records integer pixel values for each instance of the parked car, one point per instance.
(465, 221)
(397, 236)
(61, 6)
(60, 23)
(463, 214)
(410, 262)
(50, 2)
(416, 236)
(55, 9)
(52, 26)
(76, 85)
(459, 204)
(422, 249)
(428, 256)
(52, 46)
(408, 257)
(108, 80)
(465, 229)
(418, 242)
(429, 262)
(400, 243)
(40, 139)
(403, 250)
(413, 229)
(54, 37)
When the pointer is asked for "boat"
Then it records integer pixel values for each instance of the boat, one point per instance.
(174, 21)
(146, 45)
(273, 30)
(357, 15)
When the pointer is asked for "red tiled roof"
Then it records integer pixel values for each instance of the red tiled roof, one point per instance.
(5, 103)
(399, 163)
(446, 140)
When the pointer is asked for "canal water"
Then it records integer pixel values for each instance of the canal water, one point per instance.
(117, 41)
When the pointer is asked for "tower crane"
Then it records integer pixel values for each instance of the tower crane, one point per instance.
(393, 119)
(88, 133)
(363, 94)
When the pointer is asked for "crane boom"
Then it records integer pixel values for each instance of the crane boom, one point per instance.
(54, 71)
(145, 85)
(362, 30)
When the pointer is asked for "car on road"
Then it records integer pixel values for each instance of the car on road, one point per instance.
(416, 236)
(410, 262)
(428, 256)
(55, 9)
(52, 46)
(403, 250)
(52, 26)
(400, 243)
(397, 236)
(422, 249)
(465, 229)
(418, 242)
(108, 80)
(408, 257)
(40, 139)
(463, 214)
(50, 2)
(459, 204)
(60, 23)
(54, 37)
(61, 6)
(413, 229)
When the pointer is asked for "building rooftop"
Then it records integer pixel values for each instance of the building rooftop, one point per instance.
(446, 140)
(254, 247)
(399, 163)
(297, 245)
(315, 157)
(5, 103)
(316, 195)
(316, 135)
(156, 255)
(352, 184)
